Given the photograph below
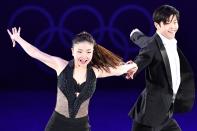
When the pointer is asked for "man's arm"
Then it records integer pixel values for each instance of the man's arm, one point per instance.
(146, 53)
(138, 38)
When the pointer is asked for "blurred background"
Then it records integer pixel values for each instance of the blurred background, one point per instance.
(28, 87)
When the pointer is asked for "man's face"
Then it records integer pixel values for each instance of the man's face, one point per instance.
(169, 28)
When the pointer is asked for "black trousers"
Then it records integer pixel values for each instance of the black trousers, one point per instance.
(170, 125)
(58, 122)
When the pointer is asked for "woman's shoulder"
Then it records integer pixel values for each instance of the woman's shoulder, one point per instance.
(62, 65)
(96, 71)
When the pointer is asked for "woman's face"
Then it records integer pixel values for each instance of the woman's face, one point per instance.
(82, 53)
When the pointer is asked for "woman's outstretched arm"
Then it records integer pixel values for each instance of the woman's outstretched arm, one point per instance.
(54, 62)
(119, 70)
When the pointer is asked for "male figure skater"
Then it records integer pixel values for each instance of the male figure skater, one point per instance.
(169, 77)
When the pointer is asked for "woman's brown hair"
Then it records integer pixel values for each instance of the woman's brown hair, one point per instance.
(102, 58)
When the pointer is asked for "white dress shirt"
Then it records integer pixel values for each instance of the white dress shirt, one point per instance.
(171, 50)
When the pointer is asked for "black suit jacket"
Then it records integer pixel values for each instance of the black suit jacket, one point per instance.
(154, 103)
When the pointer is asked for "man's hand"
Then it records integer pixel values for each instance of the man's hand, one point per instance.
(131, 72)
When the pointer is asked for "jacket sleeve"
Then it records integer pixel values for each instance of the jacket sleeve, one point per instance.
(146, 53)
(140, 39)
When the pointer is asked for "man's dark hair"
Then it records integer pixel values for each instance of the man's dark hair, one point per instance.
(163, 13)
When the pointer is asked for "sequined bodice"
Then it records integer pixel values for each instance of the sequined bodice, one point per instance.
(72, 98)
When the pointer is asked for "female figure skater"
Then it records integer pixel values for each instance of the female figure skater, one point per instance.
(76, 78)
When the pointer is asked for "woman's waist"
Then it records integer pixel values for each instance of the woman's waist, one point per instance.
(71, 122)
(82, 112)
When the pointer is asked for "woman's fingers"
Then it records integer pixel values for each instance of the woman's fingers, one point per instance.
(12, 30)
(9, 32)
(129, 62)
(19, 30)
(15, 30)
(130, 73)
(14, 43)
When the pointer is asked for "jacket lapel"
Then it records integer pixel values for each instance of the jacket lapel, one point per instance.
(165, 58)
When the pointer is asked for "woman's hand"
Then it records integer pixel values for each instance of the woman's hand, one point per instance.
(14, 34)
(131, 72)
